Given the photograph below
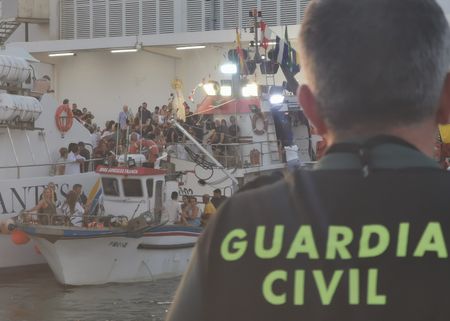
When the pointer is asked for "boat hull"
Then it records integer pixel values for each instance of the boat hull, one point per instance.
(162, 253)
(18, 255)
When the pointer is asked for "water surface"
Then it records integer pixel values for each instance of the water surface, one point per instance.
(32, 294)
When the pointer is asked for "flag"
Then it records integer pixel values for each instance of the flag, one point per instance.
(243, 66)
(94, 197)
(295, 67)
(286, 55)
(282, 51)
(266, 35)
(286, 39)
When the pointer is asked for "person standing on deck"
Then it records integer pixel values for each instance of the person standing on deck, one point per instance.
(217, 198)
(365, 234)
(74, 160)
(146, 114)
(172, 210)
(123, 124)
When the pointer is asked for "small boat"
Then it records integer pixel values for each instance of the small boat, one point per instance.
(120, 246)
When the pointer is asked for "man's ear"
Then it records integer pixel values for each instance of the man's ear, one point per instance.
(443, 114)
(309, 104)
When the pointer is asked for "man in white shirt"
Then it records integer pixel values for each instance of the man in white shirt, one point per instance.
(73, 160)
(172, 209)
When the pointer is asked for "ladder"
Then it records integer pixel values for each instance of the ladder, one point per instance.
(272, 138)
(7, 28)
(270, 79)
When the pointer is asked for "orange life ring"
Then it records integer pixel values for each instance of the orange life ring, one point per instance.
(64, 122)
(259, 115)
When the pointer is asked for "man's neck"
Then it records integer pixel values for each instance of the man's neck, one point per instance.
(421, 135)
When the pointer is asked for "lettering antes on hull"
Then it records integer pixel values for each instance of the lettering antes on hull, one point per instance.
(16, 199)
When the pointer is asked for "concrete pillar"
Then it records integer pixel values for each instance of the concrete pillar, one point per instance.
(9, 9)
(54, 11)
(179, 15)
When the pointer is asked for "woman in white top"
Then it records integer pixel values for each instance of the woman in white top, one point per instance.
(72, 209)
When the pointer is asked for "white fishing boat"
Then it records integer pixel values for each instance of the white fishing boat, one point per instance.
(30, 140)
(121, 246)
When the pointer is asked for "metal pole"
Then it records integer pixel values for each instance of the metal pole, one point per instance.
(42, 133)
(140, 138)
(196, 143)
(257, 57)
(26, 32)
(14, 151)
(31, 149)
(118, 135)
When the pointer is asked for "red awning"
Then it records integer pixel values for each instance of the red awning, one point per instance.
(227, 105)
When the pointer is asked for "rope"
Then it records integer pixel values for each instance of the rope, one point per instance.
(199, 160)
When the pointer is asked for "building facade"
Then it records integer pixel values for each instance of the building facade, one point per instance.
(101, 81)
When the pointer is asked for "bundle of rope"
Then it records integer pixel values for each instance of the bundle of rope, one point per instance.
(199, 160)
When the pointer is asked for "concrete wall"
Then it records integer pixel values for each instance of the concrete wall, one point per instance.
(33, 9)
(103, 82)
(39, 9)
(36, 32)
(9, 8)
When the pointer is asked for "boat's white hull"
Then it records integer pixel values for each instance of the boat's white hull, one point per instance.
(117, 259)
(13, 255)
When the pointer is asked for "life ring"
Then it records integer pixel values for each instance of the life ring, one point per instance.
(259, 115)
(64, 118)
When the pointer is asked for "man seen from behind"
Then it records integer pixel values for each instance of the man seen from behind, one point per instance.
(365, 235)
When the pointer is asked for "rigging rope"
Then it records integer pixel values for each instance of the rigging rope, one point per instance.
(197, 158)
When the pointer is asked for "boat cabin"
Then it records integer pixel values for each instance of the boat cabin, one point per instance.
(129, 191)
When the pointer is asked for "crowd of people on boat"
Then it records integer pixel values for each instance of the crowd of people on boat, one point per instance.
(189, 212)
(150, 132)
(145, 132)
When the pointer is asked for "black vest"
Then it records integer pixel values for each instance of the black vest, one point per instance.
(332, 245)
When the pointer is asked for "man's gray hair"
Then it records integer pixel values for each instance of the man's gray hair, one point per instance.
(375, 63)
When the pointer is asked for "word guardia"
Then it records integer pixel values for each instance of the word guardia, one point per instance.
(235, 245)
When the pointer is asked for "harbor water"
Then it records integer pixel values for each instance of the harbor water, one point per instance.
(32, 294)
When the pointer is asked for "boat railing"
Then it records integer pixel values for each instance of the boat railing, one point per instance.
(59, 219)
(133, 224)
(232, 155)
(90, 168)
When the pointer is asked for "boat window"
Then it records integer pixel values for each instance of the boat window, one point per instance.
(150, 188)
(110, 186)
(132, 187)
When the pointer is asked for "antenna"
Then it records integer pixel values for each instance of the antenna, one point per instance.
(255, 14)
